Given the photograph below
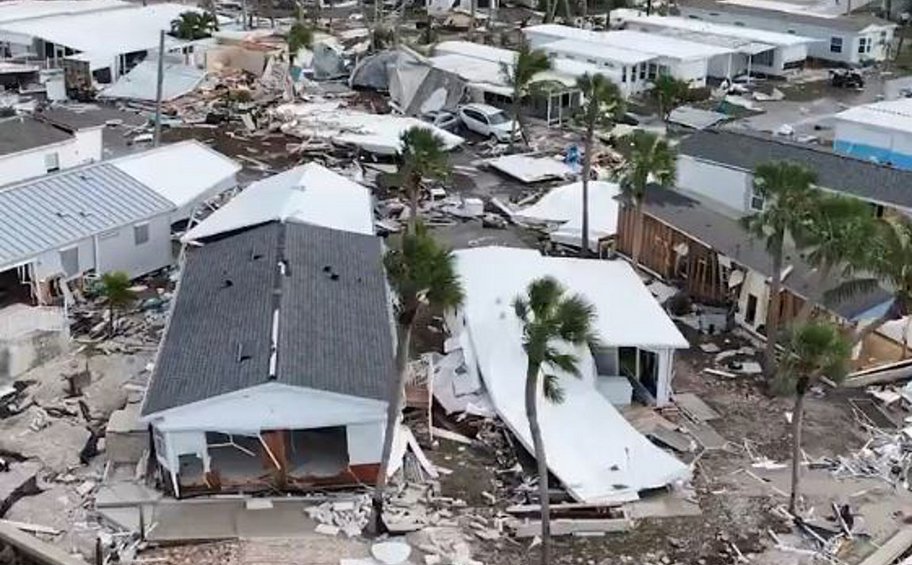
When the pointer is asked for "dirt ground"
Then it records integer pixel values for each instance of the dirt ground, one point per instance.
(738, 508)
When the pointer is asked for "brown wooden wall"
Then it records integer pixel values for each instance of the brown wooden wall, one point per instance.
(699, 273)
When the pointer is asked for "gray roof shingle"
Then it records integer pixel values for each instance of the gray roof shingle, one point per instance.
(726, 235)
(855, 177)
(59, 209)
(19, 133)
(335, 332)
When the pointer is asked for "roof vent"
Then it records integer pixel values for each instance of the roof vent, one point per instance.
(334, 277)
(241, 354)
(255, 255)
(227, 283)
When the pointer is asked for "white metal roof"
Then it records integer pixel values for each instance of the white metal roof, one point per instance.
(663, 46)
(713, 29)
(477, 72)
(586, 49)
(184, 172)
(60, 209)
(528, 168)
(630, 40)
(475, 50)
(592, 449)
(893, 114)
(140, 83)
(14, 10)
(309, 194)
(104, 33)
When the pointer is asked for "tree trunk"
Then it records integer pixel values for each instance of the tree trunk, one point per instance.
(516, 124)
(772, 314)
(899, 45)
(552, 11)
(567, 14)
(393, 410)
(817, 296)
(412, 187)
(905, 338)
(472, 5)
(648, 7)
(638, 233)
(587, 169)
(797, 419)
(532, 378)
(584, 9)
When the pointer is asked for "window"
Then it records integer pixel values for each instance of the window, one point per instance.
(642, 71)
(140, 234)
(592, 61)
(69, 261)
(652, 71)
(835, 45)
(739, 24)
(791, 31)
(624, 74)
(764, 59)
(864, 46)
(756, 202)
(51, 162)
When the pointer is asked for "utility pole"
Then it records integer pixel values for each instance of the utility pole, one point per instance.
(156, 136)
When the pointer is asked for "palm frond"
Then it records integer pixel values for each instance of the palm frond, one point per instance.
(846, 290)
(814, 349)
(566, 362)
(552, 389)
(544, 294)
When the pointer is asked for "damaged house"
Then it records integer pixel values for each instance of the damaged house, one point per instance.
(274, 369)
(634, 356)
(692, 235)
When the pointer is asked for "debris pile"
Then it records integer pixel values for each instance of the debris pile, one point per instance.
(348, 516)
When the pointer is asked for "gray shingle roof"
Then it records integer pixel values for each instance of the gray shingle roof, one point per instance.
(20, 133)
(335, 333)
(856, 177)
(852, 22)
(62, 208)
(726, 235)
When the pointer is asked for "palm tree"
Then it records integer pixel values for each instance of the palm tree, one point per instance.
(838, 236)
(648, 158)
(423, 275)
(669, 92)
(192, 25)
(115, 288)
(889, 260)
(813, 350)
(788, 201)
(602, 102)
(527, 63)
(550, 319)
(422, 155)
(298, 37)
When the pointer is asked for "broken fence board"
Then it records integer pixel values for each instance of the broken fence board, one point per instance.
(452, 436)
(563, 527)
(695, 407)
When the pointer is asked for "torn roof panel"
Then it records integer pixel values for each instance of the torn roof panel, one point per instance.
(591, 448)
(309, 194)
(529, 169)
(141, 82)
(563, 205)
(377, 133)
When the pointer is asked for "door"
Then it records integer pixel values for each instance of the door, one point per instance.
(750, 315)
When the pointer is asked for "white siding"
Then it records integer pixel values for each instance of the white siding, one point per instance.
(117, 250)
(365, 442)
(693, 72)
(754, 284)
(83, 148)
(727, 186)
(48, 265)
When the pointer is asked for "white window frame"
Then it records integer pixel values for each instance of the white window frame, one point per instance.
(836, 44)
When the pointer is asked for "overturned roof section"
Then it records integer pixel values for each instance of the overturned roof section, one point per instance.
(528, 168)
(376, 133)
(562, 205)
(317, 295)
(21, 133)
(184, 172)
(59, 209)
(852, 176)
(141, 82)
(591, 448)
(310, 194)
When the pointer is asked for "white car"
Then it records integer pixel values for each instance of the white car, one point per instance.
(488, 121)
(442, 119)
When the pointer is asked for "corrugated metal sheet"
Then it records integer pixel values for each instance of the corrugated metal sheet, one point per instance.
(60, 209)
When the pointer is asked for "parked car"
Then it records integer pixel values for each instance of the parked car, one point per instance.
(846, 78)
(441, 118)
(488, 121)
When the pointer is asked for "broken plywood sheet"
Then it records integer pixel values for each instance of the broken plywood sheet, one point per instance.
(675, 440)
(705, 435)
(694, 406)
